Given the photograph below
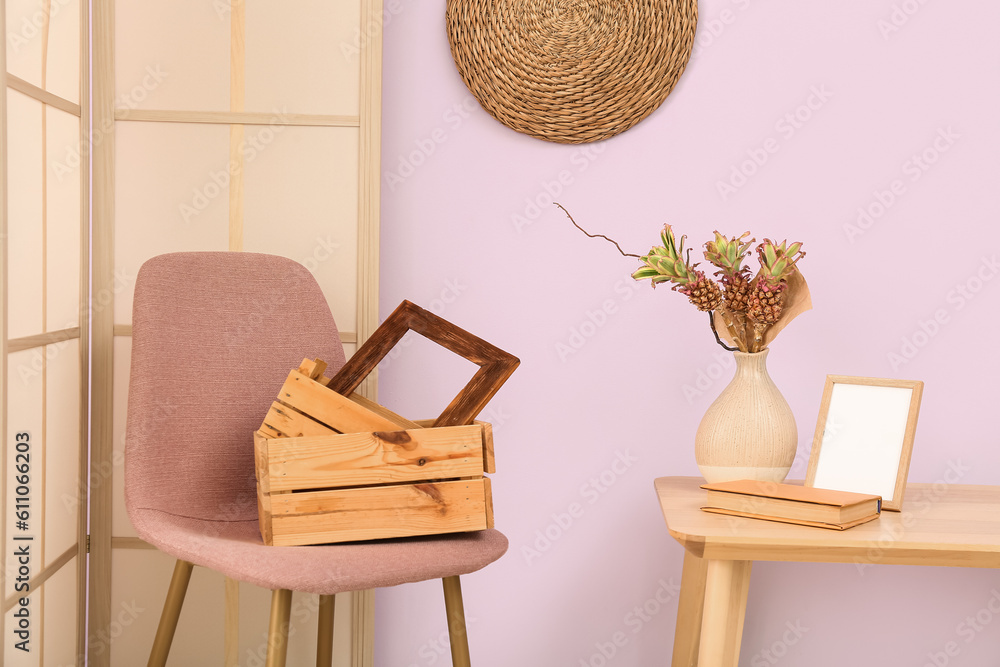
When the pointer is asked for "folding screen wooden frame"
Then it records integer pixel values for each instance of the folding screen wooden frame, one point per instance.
(4, 263)
(82, 111)
(103, 325)
(80, 332)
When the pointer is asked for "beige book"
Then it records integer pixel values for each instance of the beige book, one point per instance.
(790, 503)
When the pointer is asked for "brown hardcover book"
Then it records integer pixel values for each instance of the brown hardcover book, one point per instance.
(789, 503)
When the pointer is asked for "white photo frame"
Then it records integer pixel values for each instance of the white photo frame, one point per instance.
(864, 436)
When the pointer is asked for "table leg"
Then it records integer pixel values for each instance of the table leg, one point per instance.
(690, 607)
(726, 590)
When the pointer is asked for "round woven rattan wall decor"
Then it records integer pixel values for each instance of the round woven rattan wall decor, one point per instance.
(571, 71)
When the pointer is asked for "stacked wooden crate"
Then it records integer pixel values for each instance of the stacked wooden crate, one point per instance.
(335, 468)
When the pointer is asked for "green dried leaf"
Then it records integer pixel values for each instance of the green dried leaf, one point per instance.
(645, 272)
(769, 254)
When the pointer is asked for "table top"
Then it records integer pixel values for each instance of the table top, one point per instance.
(941, 524)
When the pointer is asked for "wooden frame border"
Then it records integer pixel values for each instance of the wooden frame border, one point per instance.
(369, 183)
(44, 96)
(83, 543)
(495, 365)
(237, 93)
(4, 285)
(43, 575)
(102, 323)
(48, 338)
(43, 481)
(369, 215)
(235, 117)
(125, 330)
(916, 386)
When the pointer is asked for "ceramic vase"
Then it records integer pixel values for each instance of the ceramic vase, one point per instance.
(749, 431)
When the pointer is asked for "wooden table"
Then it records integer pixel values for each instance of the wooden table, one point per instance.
(941, 524)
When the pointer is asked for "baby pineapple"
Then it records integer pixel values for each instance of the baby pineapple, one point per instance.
(667, 263)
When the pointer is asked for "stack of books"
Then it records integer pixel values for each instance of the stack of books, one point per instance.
(788, 503)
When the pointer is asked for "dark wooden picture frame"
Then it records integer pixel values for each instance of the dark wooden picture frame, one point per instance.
(495, 365)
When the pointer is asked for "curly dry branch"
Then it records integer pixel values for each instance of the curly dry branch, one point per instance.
(711, 323)
(734, 330)
(595, 236)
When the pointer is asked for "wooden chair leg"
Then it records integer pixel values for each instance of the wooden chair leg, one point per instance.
(171, 612)
(455, 609)
(277, 633)
(324, 637)
(231, 631)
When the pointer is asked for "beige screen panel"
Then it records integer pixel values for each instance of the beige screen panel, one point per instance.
(62, 72)
(186, 180)
(301, 202)
(37, 26)
(25, 23)
(11, 655)
(62, 447)
(138, 587)
(120, 524)
(24, 415)
(178, 47)
(62, 298)
(24, 206)
(60, 617)
(299, 57)
(172, 196)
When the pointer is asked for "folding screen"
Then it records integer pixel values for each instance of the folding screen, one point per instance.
(43, 363)
(223, 125)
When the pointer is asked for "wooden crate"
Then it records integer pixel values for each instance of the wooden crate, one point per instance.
(364, 486)
(332, 468)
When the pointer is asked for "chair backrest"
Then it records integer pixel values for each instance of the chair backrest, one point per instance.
(214, 334)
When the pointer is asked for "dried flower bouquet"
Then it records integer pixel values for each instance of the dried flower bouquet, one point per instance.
(751, 308)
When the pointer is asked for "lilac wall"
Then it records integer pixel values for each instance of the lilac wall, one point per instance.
(902, 123)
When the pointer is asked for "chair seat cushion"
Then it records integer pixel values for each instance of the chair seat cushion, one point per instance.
(236, 549)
